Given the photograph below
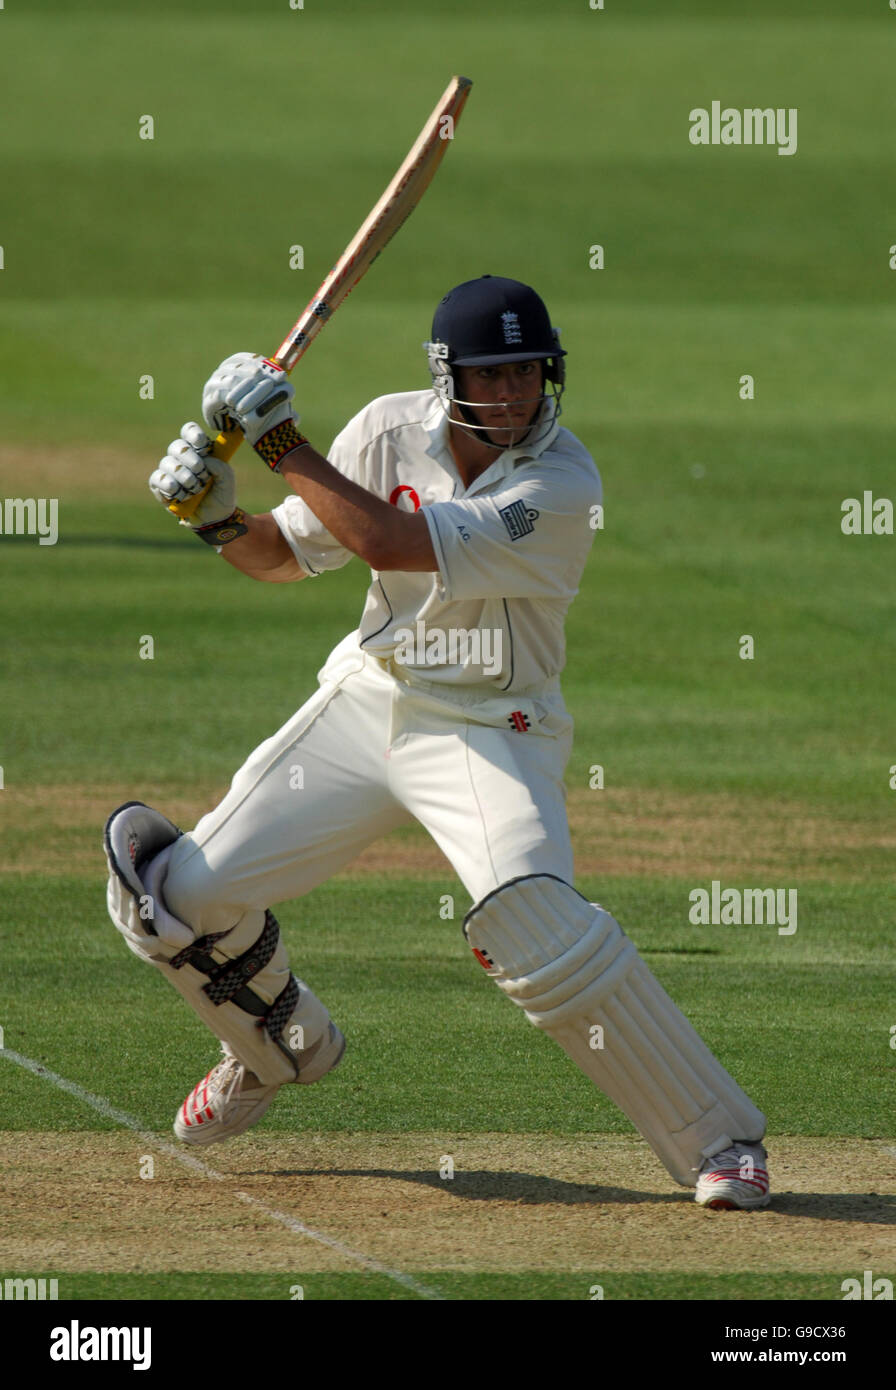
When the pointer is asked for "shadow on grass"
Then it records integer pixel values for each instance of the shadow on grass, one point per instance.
(529, 1189)
(479, 1185)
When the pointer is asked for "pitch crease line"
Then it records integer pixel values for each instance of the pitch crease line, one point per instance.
(292, 1223)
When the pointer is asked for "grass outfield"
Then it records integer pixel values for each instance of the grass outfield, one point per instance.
(124, 257)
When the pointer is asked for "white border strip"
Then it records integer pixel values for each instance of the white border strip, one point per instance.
(292, 1223)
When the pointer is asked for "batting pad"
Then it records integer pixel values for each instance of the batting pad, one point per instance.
(276, 1026)
(576, 974)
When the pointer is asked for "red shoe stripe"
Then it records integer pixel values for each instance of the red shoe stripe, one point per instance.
(737, 1177)
(738, 1173)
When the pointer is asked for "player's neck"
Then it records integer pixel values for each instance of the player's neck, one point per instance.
(472, 456)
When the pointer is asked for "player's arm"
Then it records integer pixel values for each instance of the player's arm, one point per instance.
(384, 537)
(256, 394)
(262, 553)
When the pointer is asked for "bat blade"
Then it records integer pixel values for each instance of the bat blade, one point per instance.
(376, 231)
(381, 224)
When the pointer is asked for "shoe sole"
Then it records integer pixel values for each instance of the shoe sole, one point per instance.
(720, 1201)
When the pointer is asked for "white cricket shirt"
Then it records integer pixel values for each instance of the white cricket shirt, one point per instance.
(510, 548)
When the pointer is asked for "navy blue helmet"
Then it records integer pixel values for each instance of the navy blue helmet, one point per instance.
(486, 322)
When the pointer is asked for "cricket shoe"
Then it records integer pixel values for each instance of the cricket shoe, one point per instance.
(735, 1179)
(231, 1098)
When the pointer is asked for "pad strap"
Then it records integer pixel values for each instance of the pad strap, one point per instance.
(229, 982)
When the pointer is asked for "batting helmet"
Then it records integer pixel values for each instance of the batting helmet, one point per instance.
(490, 321)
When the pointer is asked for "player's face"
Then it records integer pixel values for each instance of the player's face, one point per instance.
(505, 398)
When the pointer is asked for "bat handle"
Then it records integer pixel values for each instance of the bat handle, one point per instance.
(223, 448)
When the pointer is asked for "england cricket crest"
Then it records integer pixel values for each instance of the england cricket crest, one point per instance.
(510, 323)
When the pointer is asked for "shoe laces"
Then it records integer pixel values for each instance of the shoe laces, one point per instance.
(225, 1077)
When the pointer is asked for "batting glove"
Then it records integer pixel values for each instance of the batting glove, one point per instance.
(185, 470)
(252, 394)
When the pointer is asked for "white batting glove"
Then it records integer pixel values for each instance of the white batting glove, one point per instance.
(184, 471)
(250, 392)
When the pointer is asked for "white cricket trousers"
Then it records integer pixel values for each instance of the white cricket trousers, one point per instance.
(365, 754)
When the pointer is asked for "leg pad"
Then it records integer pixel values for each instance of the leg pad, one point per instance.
(576, 974)
(238, 981)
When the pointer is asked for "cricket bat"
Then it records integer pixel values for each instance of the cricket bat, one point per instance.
(376, 231)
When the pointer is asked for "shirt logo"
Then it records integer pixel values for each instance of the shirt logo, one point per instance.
(413, 498)
(511, 324)
(518, 518)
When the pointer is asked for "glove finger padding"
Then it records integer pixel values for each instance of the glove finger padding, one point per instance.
(186, 469)
(180, 474)
(251, 391)
(249, 397)
(196, 437)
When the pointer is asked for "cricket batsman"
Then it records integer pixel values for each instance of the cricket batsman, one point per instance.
(475, 511)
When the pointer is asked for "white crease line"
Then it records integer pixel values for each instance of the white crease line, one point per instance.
(292, 1223)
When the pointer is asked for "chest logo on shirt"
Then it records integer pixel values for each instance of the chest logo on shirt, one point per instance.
(518, 518)
(395, 497)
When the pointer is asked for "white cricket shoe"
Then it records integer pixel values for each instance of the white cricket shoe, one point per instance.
(225, 1103)
(735, 1179)
(231, 1098)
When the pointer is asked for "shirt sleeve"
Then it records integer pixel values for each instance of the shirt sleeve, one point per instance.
(315, 548)
(529, 540)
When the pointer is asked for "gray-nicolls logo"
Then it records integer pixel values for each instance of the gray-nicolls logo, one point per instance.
(510, 323)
